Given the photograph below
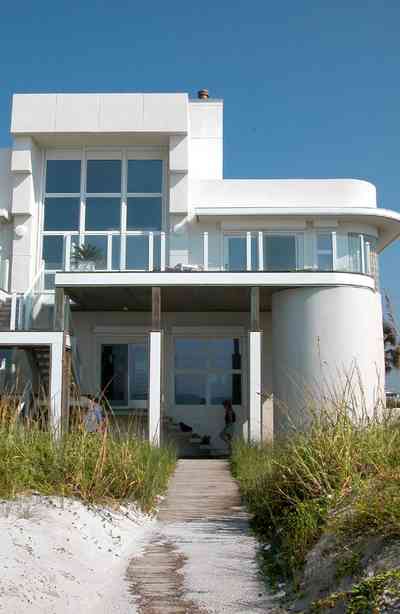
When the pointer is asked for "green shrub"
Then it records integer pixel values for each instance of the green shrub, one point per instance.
(106, 467)
(366, 597)
(342, 474)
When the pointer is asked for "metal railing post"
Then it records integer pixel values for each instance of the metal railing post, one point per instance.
(205, 250)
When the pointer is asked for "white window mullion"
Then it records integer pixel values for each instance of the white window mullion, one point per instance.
(362, 254)
(260, 251)
(109, 251)
(248, 251)
(82, 198)
(367, 262)
(123, 210)
(162, 250)
(123, 252)
(205, 250)
(67, 252)
(151, 251)
(334, 250)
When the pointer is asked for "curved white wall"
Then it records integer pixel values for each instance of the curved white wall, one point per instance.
(318, 335)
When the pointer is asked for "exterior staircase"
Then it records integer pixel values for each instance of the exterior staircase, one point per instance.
(188, 444)
(39, 357)
(5, 314)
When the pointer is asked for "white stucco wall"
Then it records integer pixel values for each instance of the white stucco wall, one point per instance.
(206, 139)
(5, 222)
(283, 193)
(26, 201)
(121, 326)
(99, 113)
(5, 179)
(319, 336)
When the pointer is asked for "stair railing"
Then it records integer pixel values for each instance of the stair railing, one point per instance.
(4, 273)
(75, 356)
(27, 300)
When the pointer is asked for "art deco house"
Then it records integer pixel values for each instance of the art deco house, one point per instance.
(130, 264)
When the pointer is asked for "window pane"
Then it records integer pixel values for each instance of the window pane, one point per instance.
(52, 253)
(191, 353)
(354, 253)
(369, 254)
(103, 214)
(145, 176)
(114, 367)
(137, 253)
(342, 252)
(103, 176)
(225, 387)
(63, 176)
(61, 214)
(324, 241)
(92, 254)
(224, 354)
(49, 281)
(144, 214)
(254, 253)
(280, 253)
(116, 251)
(138, 372)
(236, 253)
(157, 253)
(190, 389)
(325, 262)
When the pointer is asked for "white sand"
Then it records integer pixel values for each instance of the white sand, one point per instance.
(58, 556)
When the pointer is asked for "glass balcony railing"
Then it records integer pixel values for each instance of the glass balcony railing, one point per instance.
(267, 251)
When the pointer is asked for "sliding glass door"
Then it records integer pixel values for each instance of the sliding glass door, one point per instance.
(125, 374)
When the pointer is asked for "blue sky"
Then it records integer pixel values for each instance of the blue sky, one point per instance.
(310, 90)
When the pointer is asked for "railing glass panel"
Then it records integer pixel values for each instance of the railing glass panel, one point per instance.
(273, 250)
(300, 251)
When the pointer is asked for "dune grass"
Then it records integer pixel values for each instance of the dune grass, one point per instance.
(109, 467)
(342, 475)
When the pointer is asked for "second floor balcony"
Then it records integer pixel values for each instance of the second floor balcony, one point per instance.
(239, 251)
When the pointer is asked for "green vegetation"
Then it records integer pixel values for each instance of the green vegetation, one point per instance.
(366, 597)
(341, 477)
(108, 467)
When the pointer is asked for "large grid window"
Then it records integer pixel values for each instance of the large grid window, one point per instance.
(207, 371)
(102, 214)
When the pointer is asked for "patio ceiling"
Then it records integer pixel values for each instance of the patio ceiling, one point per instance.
(136, 298)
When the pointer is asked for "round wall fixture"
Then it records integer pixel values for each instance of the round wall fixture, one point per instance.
(20, 231)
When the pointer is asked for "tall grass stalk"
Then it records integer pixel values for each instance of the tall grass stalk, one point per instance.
(341, 475)
(107, 467)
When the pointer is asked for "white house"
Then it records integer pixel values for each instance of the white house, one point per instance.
(128, 260)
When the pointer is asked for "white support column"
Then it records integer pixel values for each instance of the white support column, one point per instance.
(155, 388)
(56, 381)
(255, 371)
(255, 401)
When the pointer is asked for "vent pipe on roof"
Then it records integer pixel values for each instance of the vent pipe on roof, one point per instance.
(202, 94)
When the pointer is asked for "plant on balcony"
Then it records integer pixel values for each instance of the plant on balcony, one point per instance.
(85, 257)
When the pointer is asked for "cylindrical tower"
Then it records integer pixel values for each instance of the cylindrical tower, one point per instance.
(323, 338)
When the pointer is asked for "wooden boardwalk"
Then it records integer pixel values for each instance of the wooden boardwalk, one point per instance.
(202, 539)
(200, 490)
